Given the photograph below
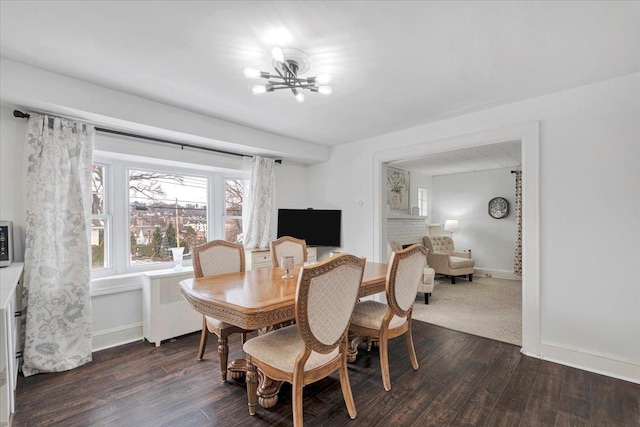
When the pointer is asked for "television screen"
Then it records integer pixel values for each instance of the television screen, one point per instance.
(317, 227)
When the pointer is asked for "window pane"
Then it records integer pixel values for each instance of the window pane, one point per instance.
(166, 210)
(97, 190)
(422, 201)
(233, 197)
(233, 230)
(98, 246)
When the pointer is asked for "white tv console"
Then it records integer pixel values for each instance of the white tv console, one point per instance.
(261, 257)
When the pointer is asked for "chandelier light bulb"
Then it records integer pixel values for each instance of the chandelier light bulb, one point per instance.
(277, 54)
(251, 73)
(323, 78)
(325, 90)
(299, 97)
(259, 89)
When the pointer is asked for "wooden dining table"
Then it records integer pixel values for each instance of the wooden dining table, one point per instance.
(257, 300)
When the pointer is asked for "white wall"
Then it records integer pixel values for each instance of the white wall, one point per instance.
(12, 133)
(465, 197)
(117, 303)
(589, 181)
(35, 88)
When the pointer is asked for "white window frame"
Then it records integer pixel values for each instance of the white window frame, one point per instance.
(106, 216)
(423, 201)
(117, 194)
(224, 203)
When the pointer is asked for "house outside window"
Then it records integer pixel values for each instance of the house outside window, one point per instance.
(166, 210)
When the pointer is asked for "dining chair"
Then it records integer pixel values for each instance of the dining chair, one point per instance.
(211, 259)
(316, 345)
(376, 320)
(288, 246)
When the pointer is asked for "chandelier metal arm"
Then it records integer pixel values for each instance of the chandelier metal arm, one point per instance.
(277, 86)
(287, 77)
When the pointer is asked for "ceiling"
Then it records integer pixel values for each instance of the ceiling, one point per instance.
(395, 64)
(487, 157)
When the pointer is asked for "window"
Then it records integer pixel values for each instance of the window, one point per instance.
(166, 210)
(100, 220)
(142, 207)
(422, 202)
(233, 191)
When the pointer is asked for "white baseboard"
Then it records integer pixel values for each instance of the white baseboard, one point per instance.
(116, 336)
(604, 364)
(495, 274)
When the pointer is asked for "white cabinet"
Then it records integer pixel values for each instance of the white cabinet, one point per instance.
(10, 344)
(165, 313)
(257, 258)
(261, 257)
(312, 254)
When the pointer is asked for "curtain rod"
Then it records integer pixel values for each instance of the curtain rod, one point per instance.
(19, 114)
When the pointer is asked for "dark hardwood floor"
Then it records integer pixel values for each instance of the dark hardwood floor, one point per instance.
(462, 380)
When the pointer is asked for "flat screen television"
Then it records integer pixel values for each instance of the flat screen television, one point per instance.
(318, 227)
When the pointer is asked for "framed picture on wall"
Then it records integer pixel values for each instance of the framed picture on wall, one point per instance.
(398, 190)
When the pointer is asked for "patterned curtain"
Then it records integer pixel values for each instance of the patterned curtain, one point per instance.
(57, 258)
(517, 261)
(259, 201)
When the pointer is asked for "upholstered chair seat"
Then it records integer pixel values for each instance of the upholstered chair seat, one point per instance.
(280, 348)
(213, 323)
(370, 314)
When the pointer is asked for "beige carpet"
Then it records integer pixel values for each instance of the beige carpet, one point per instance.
(490, 308)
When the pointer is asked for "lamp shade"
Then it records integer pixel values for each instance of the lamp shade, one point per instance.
(451, 225)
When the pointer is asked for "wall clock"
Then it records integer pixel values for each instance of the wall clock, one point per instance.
(498, 207)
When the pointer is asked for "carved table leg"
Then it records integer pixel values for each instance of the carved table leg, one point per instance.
(352, 351)
(237, 369)
(267, 390)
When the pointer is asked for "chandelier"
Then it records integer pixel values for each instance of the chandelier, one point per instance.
(288, 64)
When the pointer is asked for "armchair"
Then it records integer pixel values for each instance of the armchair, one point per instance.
(446, 260)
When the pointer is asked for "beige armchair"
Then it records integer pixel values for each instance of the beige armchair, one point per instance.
(428, 274)
(446, 260)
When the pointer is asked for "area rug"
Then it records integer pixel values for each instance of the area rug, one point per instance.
(487, 307)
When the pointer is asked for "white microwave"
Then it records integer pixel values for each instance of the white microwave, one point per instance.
(6, 243)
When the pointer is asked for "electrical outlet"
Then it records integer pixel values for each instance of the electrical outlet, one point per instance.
(487, 274)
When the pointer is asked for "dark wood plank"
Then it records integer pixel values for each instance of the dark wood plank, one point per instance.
(575, 398)
(477, 410)
(543, 404)
(462, 380)
(613, 403)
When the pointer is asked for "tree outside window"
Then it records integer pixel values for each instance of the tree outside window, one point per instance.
(233, 188)
(100, 219)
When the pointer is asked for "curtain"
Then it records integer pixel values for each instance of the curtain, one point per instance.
(259, 201)
(57, 258)
(517, 261)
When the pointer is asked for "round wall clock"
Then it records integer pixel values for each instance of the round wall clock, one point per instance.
(498, 207)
